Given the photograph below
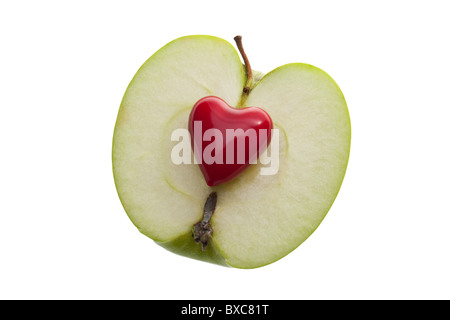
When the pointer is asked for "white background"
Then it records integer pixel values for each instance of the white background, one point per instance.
(64, 67)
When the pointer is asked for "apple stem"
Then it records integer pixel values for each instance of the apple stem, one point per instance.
(202, 230)
(248, 84)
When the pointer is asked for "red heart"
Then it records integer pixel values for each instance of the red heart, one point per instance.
(227, 140)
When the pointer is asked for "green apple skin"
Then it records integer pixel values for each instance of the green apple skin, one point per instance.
(258, 219)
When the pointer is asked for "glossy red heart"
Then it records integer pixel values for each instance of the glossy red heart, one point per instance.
(227, 140)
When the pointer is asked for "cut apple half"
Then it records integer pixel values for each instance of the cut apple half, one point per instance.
(258, 219)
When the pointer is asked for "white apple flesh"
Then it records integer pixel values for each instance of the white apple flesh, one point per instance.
(258, 218)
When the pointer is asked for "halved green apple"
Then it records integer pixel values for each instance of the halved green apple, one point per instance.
(258, 219)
